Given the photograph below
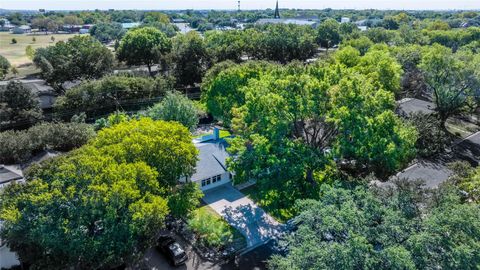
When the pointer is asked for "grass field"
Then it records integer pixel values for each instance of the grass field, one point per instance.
(15, 53)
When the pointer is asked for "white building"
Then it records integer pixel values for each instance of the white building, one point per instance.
(344, 20)
(211, 170)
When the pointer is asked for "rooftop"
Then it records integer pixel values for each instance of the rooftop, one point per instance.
(212, 159)
(408, 106)
(7, 175)
(286, 21)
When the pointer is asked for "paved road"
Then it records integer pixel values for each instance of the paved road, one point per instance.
(243, 214)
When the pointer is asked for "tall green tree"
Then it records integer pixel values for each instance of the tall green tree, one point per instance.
(80, 57)
(451, 80)
(19, 106)
(102, 205)
(4, 67)
(328, 33)
(189, 57)
(369, 228)
(143, 46)
(175, 107)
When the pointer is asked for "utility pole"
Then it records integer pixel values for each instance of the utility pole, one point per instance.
(238, 5)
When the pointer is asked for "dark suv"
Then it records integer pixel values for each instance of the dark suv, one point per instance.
(174, 252)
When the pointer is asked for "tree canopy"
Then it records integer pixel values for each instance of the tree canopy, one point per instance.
(102, 205)
(175, 107)
(143, 46)
(80, 57)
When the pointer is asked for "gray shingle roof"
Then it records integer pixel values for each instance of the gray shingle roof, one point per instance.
(7, 176)
(407, 106)
(211, 159)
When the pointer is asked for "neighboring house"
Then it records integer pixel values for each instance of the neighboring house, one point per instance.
(469, 149)
(211, 170)
(46, 94)
(7, 26)
(407, 106)
(288, 21)
(22, 29)
(344, 20)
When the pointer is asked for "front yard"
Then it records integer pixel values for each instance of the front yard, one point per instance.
(213, 232)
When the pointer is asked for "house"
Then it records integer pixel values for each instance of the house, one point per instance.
(8, 258)
(7, 26)
(46, 94)
(10, 174)
(23, 29)
(211, 169)
(344, 20)
(287, 21)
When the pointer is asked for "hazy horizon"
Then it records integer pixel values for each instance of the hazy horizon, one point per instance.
(245, 4)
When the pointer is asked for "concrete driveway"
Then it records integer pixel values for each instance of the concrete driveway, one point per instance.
(243, 214)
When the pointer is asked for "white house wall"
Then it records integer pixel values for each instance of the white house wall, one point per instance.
(225, 178)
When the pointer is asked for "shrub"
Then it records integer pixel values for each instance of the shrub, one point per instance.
(20, 146)
(176, 107)
(4, 67)
(431, 138)
(14, 41)
(210, 229)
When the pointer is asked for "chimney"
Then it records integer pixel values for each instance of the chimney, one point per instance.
(216, 133)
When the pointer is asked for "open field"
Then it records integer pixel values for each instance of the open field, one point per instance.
(15, 53)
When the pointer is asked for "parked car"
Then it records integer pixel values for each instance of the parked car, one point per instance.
(172, 249)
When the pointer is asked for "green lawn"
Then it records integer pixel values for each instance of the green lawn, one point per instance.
(270, 202)
(223, 134)
(15, 53)
(211, 227)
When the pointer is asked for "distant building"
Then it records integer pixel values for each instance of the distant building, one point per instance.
(22, 29)
(178, 20)
(130, 25)
(344, 20)
(288, 21)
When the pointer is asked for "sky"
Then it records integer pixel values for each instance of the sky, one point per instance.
(232, 4)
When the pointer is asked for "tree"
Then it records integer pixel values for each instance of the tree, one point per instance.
(52, 38)
(21, 146)
(81, 57)
(102, 205)
(111, 213)
(189, 58)
(112, 93)
(30, 52)
(175, 107)
(450, 80)
(106, 32)
(14, 41)
(283, 43)
(165, 146)
(143, 46)
(18, 106)
(369, 131)
(222, 87)
(328, 33)
(4, 67)
(225, 45)
(373, 228)
(431, 138)
(467, 179)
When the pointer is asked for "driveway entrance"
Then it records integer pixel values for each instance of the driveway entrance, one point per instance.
(243, 214)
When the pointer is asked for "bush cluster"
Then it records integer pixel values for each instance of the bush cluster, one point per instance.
(20, 146)
(106, 95)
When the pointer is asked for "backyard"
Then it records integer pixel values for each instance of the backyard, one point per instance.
(15, 53)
